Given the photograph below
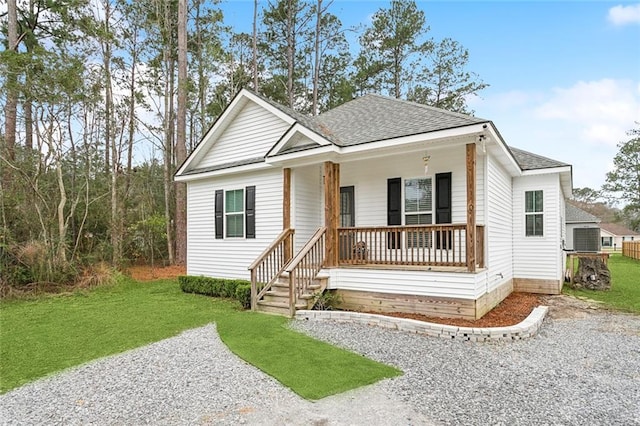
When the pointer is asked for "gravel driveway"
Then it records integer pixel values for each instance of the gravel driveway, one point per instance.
(576, 371)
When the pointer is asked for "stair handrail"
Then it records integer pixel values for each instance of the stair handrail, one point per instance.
(273, 265)
(313, 255)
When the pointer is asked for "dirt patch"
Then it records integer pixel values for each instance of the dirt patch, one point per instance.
(562, 306)
(148, 273)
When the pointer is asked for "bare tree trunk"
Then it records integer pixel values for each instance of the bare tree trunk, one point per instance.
(291, 50)
(168, 130)
(28, 123)
(181, 135)
(62, 229)
(11, 105)
(316, 64)
(254, 66)
(111, 151)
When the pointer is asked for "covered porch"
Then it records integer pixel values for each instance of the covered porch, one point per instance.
(380, 226)
(388, 229)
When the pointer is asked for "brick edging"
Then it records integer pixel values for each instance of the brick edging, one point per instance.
(523, 330)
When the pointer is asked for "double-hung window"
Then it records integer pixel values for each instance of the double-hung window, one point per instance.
(234, 213)
(534, 213)
(418, 209)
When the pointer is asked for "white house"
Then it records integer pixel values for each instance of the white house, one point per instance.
(613, 234)
(399, 206)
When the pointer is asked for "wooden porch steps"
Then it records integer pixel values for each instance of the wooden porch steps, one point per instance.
(276, 300)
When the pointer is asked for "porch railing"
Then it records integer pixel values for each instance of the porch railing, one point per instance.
(266, 269)
(304, 268)
(411, 245)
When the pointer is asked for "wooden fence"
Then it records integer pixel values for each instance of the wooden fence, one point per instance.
(631, 249)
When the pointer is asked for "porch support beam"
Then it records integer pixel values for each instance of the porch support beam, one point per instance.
(471, 207)
(286, 210)
(331, 211)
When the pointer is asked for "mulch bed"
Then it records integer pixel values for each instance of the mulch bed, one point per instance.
(148, 273)
(512, 310)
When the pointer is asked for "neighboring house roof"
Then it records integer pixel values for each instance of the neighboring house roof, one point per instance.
(531, 161)
(575, 215)
(372, 118)
(617, 229)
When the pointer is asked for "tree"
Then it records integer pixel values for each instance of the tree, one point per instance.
(254, 47)
(623, 182)
(391, 48)
(286, 45)
(398, 59)
(10, 108)
(331, 60)
(446, 84)
(181, 135)
(585, 195)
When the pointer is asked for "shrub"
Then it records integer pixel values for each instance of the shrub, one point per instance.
(243, 295)
(326, 301)
(229, 288)
(217, 287)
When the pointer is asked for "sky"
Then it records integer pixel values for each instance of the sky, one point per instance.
(564, 76)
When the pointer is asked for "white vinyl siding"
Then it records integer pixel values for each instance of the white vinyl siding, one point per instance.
(369, 177)
(307, 203)
(539, 257)
(230, 257)
(251, 134)
(499, 228)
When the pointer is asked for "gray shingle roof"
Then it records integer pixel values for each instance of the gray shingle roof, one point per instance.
(575, 215)
(373, 118)
(530, 161)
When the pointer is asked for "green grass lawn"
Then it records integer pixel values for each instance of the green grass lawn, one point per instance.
(46, 335)
(625, 286)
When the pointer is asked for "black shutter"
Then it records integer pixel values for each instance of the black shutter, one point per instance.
(219, 209)
(394, 210)
(250, 211)
(443, 209)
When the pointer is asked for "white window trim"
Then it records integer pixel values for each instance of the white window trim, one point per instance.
(243, 213)
(419, 212)
(526, 213)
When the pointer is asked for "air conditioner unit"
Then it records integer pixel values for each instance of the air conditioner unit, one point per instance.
(586, 239)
